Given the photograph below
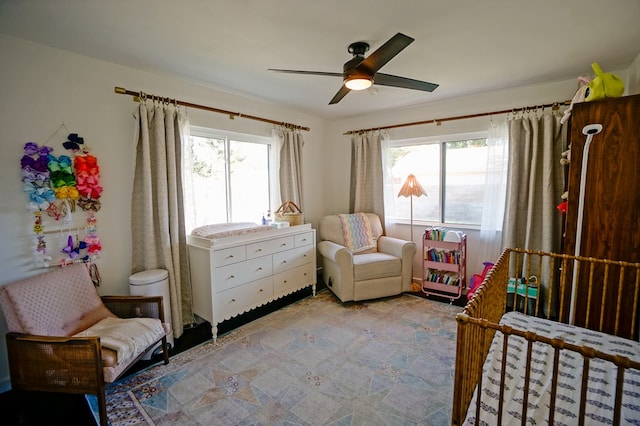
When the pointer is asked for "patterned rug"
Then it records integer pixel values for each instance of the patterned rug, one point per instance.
(315, 362)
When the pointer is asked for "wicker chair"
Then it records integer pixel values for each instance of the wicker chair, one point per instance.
(46, 313)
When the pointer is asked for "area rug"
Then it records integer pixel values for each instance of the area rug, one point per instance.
(315, 362)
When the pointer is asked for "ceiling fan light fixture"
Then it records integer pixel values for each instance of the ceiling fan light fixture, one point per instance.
(358, 82)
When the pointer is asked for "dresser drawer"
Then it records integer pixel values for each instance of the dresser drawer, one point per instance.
(293, 279)
(229, 256)
(263, 248)
(303, 239)
(236, 274)
(237, 300)
(292, 258)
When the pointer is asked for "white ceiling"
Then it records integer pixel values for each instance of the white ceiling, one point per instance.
(466, 46)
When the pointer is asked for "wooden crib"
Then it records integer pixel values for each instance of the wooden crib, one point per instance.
(516, 363)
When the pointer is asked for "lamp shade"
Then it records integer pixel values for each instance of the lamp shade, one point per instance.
(411, 187)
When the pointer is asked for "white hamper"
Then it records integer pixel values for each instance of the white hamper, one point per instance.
(154, 282)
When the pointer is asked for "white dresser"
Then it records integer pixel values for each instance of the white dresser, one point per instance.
(235, 274)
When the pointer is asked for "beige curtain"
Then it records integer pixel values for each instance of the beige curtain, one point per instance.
(290, 165)
(367, 187)
(534, 183)
(157, 212)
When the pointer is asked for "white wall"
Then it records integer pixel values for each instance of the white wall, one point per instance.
(632, 83)
(43, 87)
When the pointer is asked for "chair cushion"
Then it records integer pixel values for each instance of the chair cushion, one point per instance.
(129, 337)
(375, 265)
(61, 302)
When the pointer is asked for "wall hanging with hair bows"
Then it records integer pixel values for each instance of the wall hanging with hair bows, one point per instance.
(55, 186)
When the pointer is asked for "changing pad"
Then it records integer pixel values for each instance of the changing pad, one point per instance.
(222, 230)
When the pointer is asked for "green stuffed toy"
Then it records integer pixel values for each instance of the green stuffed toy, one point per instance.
(604, 85)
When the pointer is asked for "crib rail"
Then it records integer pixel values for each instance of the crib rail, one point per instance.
(540, 283)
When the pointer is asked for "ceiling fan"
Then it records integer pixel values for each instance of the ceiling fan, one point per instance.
(360, 73)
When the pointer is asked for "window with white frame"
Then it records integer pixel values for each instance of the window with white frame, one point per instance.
(451, 169)
(230, 177)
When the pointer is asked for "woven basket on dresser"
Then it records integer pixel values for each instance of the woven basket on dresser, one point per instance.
(289, 212)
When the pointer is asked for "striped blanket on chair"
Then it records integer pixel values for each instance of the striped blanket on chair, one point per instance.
(357, 233)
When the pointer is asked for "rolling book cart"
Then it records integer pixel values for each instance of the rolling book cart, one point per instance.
(444, 262)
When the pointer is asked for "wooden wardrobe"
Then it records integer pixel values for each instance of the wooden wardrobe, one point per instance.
(611, 222)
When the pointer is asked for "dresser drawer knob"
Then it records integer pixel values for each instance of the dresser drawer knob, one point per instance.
(231, 277)
(232, 301)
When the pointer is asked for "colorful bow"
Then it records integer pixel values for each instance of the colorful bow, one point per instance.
(67, 192)
(87, 173)
(35, 176)
(89, 204)
(74, 141)
(40, 164)
(71, 250)
(31, 148)
(60, 164)
(40, 197)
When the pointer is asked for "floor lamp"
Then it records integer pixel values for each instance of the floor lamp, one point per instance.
(411, 188)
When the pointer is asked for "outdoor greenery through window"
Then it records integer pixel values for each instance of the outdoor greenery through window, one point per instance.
(230, 177)
(451, 170)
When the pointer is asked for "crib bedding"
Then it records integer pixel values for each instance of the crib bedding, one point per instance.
(223, 230)
(601, 384)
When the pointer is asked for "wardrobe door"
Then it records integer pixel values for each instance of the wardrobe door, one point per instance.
(611, 217)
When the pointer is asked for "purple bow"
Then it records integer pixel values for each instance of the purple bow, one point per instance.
(39, 164)
(35, 176)
(31, 148)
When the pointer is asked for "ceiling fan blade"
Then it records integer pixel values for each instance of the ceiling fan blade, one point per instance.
(386, 52)
(330, 74)
(341, 94)
(406, 83)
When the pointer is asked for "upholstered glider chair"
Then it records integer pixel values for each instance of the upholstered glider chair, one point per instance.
(359, 262)
(63, 337)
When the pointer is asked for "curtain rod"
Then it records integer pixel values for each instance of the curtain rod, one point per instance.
(438, 121)
(144, 96)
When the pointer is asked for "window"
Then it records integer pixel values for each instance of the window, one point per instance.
(230, 177)
(451, 170)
